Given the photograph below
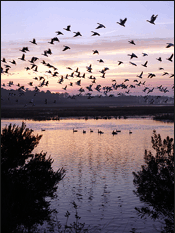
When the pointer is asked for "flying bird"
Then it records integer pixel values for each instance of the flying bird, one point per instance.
(13, 62)
(68, 28)
(145, 65)
(77, 34)
(59, 33)
(33, 41)
(153, 18)
(159, 59)
(132, 55)
(45, 53)
(3, 60)
(95, 33)
(133, 64)
(65, 48)
(132, 42)
(95, 51)
(119, 63)
(33, 59)
(53, 39)
(169, 45)
(24, 49)
(145, 54)
(122, 22)
(151, 75)
(100, 60)
(100, 26)
(140, 76)
(22, 58)
(170, 58)
(165, 73)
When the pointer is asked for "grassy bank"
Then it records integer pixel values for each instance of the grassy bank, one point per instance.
(51, 113)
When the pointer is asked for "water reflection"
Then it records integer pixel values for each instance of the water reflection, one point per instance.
(99, 168)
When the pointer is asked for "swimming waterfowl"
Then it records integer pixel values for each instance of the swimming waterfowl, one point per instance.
(114, 132)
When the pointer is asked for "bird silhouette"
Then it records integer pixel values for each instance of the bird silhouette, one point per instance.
(3, 60)
(114, 132)
(159, 59)
(22, 58)
(153, 18)
(95, 33)
(133, 64)
(132, 55)
(169, 45)
(24, 50)
(65, 48)
(68, 28)
(77, 34)
(53, 39)
(74, 130)
(119, 63)
(145, 64)
(33, 41)
(122, 22)
(170, 58)
(101, 60)
(100, 26)
(132, 42)
(13, 62)
(59, 33)
(95, 51)
(140, 76)
(100, 132)
(145, 54)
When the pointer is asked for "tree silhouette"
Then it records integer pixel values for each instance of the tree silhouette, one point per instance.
(155, 182)
(26, 180)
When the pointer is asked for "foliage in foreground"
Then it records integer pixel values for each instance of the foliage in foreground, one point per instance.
(155, 182)
(26, 180)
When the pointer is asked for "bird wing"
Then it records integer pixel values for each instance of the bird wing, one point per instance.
(171, 56)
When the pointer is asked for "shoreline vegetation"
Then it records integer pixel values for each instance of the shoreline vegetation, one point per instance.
(54, 106)
(163, 113)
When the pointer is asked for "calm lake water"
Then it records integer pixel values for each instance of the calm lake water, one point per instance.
(99, 168)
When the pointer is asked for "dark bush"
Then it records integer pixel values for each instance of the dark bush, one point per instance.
(26, 180)
(155, 182)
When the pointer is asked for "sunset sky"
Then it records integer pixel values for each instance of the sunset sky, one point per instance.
(21, 21)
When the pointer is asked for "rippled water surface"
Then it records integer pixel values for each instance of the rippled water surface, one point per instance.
(99, 168)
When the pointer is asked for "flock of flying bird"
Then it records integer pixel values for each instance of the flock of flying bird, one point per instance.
(76, 73)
